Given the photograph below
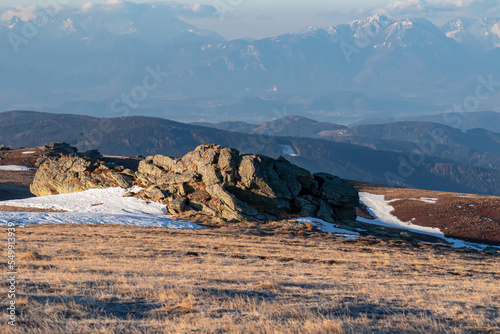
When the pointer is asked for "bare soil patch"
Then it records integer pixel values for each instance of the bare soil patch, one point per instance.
(8, 208)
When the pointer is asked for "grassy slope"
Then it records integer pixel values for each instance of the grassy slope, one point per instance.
(245, 279)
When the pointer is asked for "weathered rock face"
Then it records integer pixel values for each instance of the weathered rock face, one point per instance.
(216, 180)
(62, 171)
(225, 183)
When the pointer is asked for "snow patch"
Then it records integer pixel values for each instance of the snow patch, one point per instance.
(425, 199)
(393, 200)
(14, 168)
(288, 150)
(94, 206)
(29, 152)
(381, 209)
(104, 201)
(328, 227)
(33, 218)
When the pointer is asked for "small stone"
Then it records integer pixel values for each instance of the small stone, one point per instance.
(154, 193)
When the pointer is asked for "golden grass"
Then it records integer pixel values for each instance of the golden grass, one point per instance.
(244, 279)
(30, 256)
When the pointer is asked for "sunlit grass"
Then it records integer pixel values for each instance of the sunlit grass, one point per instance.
(118, 279)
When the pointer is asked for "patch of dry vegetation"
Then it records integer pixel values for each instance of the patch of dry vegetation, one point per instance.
(244, 279)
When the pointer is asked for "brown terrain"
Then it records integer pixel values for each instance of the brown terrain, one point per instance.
(466, 216)
(276, 277)
(472, 217)
(244, 278)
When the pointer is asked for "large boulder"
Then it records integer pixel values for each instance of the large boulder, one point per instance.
(225, 183)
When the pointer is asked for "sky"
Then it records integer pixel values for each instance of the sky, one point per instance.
(261, 18)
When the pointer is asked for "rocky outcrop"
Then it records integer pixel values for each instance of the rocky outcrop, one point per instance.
(62, 170)
(212, 179)
(235, 186)
(4, 148)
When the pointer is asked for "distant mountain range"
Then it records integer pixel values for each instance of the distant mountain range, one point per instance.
(85, 60)
(364, 153)
(475, 147)
(488, 120)
(480, 34)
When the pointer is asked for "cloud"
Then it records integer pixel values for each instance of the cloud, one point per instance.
(87, 6)
(196, 11)
(114, 2)
(467, 7)
(27, 13)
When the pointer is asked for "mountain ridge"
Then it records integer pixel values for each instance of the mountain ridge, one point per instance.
(131, 136)
(405, 65)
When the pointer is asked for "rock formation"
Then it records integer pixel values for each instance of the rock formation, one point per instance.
(62, 170)
(216, 180)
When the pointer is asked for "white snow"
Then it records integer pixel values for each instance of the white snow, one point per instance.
(14, 168)
(381, 209)
(288, 149)
(425, 199)
(29, 152)
(328, 227)
(95, 206)
(31, 218)
(109, 201)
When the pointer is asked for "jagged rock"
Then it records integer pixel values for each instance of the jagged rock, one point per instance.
(338, 194)
(212, 179)
(61, 172)
(230, 185)
(54, 150)
(154, 193)
(128, 172)
(4, 148)
(307, 208)
(178, 205)
(326, 212)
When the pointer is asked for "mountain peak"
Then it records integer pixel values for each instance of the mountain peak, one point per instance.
(475, 33)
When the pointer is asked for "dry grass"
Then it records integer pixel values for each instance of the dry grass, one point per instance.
(245, 279)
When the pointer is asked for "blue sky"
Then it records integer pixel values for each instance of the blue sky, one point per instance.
(261, 18)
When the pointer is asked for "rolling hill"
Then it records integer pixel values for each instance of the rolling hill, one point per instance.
(131, 136)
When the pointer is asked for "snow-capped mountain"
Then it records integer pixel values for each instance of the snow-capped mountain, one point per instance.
(157, 24)
(99, 52)
(476, 34)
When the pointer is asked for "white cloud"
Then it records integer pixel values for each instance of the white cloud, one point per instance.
(87, 6)
(24, 13)
(114, 2)
(472, 7)
(197, 7)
